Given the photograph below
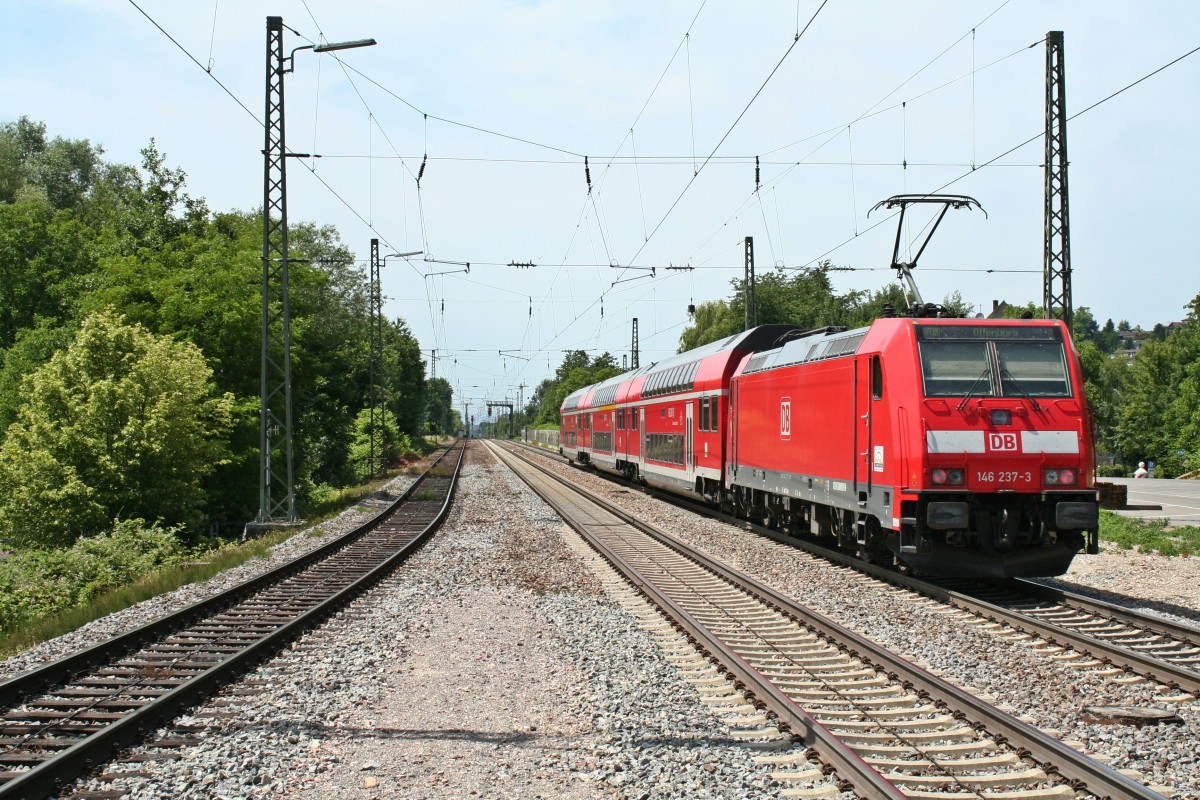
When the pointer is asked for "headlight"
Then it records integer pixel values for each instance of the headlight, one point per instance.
(1060, 477)
(947, 477)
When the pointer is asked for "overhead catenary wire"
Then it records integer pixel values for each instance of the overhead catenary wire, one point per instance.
(641, 163)
(1018, 146)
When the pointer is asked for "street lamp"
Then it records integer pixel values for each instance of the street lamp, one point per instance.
(277, 498)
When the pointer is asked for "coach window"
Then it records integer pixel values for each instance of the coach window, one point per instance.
(713, 419)
(702, 423)
(876, 378)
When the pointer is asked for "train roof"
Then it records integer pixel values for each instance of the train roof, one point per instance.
(571, 401)
(675, 372)
(805, 346)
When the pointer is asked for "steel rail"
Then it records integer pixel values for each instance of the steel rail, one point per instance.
(1180, 630)
(1157, 669)
(49, 776)
(1084, 773)
(850, 767)
(1154, 668)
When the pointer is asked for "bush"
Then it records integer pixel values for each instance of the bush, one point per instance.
(37, 583)
(1113, 471)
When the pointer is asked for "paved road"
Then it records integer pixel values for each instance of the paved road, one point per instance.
(1180, 500)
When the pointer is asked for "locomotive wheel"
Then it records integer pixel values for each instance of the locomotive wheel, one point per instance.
(875, 551)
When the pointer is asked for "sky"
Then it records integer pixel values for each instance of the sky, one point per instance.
(701, 123)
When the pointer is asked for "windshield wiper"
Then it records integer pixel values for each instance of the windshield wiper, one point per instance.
(971, 392)
(1007, 377)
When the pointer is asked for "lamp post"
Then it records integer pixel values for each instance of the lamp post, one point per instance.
(276, 498)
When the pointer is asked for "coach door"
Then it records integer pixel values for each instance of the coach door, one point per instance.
(642, 434)
(689, 455)
(730, 431)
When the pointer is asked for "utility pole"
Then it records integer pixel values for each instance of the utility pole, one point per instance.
(276, 487)
(524, 416)
(1056, 258)
(276, 496)
(633, 352)
(748, 286)
(376, 457)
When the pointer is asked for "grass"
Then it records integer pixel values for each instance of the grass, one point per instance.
(227, 557)
(1149, 536)
(167, 580)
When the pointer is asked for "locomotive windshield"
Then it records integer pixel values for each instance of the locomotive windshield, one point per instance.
(993, 361)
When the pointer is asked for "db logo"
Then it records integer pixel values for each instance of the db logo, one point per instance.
(785, 418)
(1002, 441)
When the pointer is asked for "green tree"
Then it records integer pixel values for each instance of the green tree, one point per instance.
(58, 172)
(439, 406)
(804, 298)
(1183, 413)
(714, 320)
(1140, 432)
(404, 373)
(43, 254)
(575, 372)
(121, 424)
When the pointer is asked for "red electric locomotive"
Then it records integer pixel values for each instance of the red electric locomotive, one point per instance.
(948, 446)
(953, 446)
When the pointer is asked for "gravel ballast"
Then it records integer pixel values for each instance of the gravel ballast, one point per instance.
(496, 663)
(492, 664)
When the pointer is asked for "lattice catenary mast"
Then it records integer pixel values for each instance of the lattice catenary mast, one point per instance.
(376, 456)
(276, 499)
(1056, 258)
(748, 286)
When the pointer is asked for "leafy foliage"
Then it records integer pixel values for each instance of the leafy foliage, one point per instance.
(576, 371)
(38, 582)
(120, 423)
(805, 298)
(153, 412)
(397, 446)
(79, 236)
(439, 413)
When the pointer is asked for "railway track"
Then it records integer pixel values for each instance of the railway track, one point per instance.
(1150, 646)
(72, 715)
(884, 726)
(1100, 634)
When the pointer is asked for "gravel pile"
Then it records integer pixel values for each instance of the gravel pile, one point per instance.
(491, 665)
